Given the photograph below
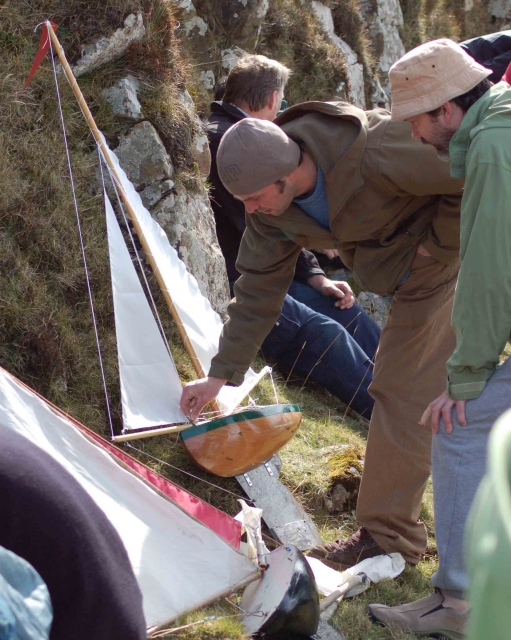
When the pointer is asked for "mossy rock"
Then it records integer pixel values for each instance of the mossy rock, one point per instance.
(345, 475)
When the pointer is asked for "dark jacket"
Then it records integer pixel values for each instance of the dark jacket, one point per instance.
(386, 195)
(493, 51)
(229, 212)
(48, 519)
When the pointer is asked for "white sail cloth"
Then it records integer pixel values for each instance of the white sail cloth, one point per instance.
(179, 563)
(150, 385)
(203, 325)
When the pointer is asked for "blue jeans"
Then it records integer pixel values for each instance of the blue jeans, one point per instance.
(361, 327)
(320, 348)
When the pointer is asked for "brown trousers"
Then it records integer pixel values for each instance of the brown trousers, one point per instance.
(409, 373)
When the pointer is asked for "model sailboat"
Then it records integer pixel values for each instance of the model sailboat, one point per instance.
(184, 552)
(236, 440)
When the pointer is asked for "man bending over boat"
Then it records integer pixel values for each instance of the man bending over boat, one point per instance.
(334, 176)
(320, 333)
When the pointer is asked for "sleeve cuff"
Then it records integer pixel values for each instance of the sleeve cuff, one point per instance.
(217, 371)
(465, 390)
(302, 275)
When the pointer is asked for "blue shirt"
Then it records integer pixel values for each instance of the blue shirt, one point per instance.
(315, 203)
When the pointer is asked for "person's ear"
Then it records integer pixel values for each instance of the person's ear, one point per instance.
(448, 112)
(272, 102)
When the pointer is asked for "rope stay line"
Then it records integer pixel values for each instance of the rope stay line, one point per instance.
(82, 243)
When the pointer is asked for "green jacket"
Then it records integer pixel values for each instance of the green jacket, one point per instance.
(386, 194)
(481, 154)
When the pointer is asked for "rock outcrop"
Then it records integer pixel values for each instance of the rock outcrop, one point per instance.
(123, 98)
(384, 19)
(186, 218)
(112, 47)
(356, 90)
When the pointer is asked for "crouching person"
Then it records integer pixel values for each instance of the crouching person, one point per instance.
(450, 104)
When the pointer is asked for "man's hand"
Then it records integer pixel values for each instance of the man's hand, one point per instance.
(341, 291)
(197, 394)
(443, 406)
(422, 251)
(329, 253)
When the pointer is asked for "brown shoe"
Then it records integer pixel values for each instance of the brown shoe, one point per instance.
(342, 554)
(424, 617)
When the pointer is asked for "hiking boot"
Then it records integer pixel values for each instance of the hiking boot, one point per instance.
(342, 554)
(424, 617)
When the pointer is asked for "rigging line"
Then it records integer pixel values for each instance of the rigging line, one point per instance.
(187, 473)
(82, 243)
(139, 260)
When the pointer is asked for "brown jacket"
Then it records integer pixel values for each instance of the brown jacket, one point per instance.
(386, 195)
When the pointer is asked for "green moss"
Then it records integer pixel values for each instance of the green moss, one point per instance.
(341, 464)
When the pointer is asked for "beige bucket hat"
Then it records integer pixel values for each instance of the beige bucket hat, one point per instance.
(430, 75)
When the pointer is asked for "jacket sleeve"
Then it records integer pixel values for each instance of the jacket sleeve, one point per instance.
(266, 261)
(414, 168)
(482, 307)
(307, 266)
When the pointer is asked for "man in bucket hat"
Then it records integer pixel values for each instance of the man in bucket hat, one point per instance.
(448, 101)
(337, 177)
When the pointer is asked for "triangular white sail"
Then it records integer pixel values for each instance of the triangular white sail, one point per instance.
(203, 325)
(180, 564)
(150, 385)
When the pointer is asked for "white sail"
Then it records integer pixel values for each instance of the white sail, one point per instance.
(150, 385)
(203, 325)
(179, 563)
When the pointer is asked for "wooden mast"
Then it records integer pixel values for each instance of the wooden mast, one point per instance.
(131, 212)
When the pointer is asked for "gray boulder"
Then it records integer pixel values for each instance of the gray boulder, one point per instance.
(109, 48)
(123, 98)
(188, 222)
(143, 156)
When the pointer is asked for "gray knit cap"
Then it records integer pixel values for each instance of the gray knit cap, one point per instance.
(254, 154)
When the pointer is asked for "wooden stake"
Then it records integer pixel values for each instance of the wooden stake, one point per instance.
(132, 214)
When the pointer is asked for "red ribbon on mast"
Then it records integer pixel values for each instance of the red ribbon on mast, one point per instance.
(44, 45)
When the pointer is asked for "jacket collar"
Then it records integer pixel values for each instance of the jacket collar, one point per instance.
(228, 108)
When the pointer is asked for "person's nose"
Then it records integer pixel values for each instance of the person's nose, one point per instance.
(415, 133)
(251, 206)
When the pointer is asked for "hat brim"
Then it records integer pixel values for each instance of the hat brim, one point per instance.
(463, 83)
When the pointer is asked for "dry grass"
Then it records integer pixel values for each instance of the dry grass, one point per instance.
(429, 19)
(292, 35)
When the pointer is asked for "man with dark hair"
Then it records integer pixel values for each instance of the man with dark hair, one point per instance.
(450, 104)
(320, 334)
(334, 176)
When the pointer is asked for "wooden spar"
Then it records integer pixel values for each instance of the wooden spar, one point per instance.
(159, 431)
(131, 212)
